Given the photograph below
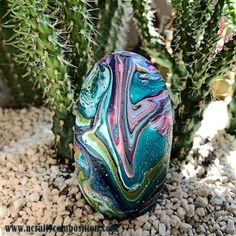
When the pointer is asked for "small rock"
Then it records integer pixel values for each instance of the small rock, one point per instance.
(34, 197)
(138, 232)
(55, 170)
(35, 206)
(185, 205)
(177, 194)
(230, 228)
(73, 190)
(146, 233)
(165, 219)
(80, 203)
(185, 227)
(200, 171)
(175, 221)
(31, 221)
(156, 224)
(200, 211)
(98, 216)
(78, 212)
(218, 201)
(67, 220)
(191, 210)
(143, 218)
(44, 185)
(219, 233)
(203, 192)
(162, 229)
(147, 226)
(13, 212)
(215, 227)
(58, 220)
(55, 192)
(181, 212)
(104, 234)
(202, 202)
(18, 203)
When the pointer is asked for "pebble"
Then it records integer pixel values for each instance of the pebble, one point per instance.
(138, 232)
(55, 170)
(156, 224)
(3, 211)
(34, 197)
(175, 221)
(18, 203)
(55, 192)
(143, 218)
(203, 192)
(181, 212)
(200, 211)
(202, 202)
(200, 171)
(162, 229)
(218, 201)
(185, 227)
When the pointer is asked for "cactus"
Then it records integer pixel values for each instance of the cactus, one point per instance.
(43, 54)
(231, 10)
(107, 17)
(232, 112)
(202, 65)
(78, 28)
(152, 42)
(63, 128)
(231, 128)
(22, 88)
(194, 63)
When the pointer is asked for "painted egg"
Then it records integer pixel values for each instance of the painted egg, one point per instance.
(123, 135)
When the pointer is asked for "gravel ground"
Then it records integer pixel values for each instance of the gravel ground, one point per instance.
(199, 197)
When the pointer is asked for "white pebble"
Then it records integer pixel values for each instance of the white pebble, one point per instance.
(162, 229)
(138, 232)
(55, 170)
(34, 197)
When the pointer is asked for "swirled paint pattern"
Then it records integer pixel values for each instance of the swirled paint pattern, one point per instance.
(123, 135)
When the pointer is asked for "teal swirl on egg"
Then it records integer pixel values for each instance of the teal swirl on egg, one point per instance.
(123, 135)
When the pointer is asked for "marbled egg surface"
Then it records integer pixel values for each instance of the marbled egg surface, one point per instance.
(123, 135)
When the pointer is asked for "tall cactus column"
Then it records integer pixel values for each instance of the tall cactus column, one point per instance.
(43, 55)
(232, 111)
(78, 29)
(22, 88)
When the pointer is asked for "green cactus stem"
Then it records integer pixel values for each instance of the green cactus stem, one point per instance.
(63, 128)
(195, 98)
(232, 112)
(43, 56)
(22, 88)
(152, 42)
(78, 28)
(231, 9)
(107, 17)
